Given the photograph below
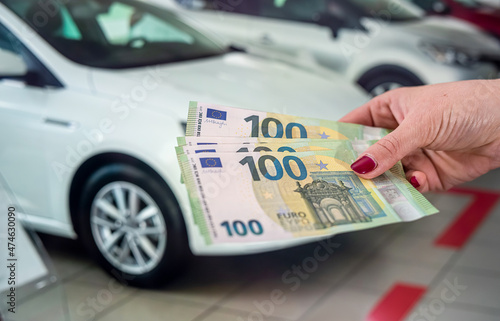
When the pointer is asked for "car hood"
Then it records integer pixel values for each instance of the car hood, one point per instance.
(234, 79)
(450, 31)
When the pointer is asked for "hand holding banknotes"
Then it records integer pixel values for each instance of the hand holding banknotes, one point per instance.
(445, 134)
(291, 174)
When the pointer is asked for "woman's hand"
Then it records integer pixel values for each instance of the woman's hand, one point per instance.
(445, 134)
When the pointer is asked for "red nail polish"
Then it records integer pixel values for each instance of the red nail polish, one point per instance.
(364, 165)
(414, 182)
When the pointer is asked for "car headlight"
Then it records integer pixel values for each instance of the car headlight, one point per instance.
(448, 55)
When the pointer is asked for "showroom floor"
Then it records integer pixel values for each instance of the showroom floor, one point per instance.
(439, 268)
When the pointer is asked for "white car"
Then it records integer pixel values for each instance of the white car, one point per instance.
(379, 44)
(93, 95)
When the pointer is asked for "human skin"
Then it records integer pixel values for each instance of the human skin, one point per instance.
(444, 134)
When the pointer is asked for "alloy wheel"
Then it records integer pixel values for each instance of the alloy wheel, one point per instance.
(128, 227)
(384, 87)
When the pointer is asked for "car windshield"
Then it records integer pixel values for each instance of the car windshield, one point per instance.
(114, 33)
(475, 3)
(399, 10)
(348, 11)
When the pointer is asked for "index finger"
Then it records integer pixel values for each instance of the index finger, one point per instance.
(377, 112)
(360, 115)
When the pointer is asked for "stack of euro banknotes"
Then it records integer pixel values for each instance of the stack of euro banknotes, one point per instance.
(256, 176)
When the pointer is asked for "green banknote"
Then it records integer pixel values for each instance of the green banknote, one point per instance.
(292, 146)
(196, 145)
(209, 120)
(285, 144)
(256, 197)
(216, 140)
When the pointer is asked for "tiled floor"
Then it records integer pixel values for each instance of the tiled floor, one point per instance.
(358, 278)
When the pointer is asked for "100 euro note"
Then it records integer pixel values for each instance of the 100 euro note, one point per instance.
(209, 120)
(292, 146)
(197, 145)
(255, 197)
(235, 144)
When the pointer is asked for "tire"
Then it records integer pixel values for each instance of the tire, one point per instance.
(377, 82)
(145, 243)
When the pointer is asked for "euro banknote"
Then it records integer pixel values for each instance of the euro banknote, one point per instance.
(218, 140)
(260, 143)
(196, 145)
(287, 145)
(293, 146)
(292, 195)
(209, 120)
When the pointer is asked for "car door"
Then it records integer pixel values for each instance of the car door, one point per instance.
(303, 28)
(22, 112)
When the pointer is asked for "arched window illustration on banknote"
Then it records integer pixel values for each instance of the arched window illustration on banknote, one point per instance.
(336, 202)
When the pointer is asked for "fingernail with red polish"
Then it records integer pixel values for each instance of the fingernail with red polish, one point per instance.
(364, 165)
(414, 182)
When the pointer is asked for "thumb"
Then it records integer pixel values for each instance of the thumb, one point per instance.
(384, 154)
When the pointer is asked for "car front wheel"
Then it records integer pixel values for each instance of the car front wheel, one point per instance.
(131, 224)
(379, 81)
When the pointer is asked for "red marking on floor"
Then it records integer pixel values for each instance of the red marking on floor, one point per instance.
(397, 303)
(466, 223)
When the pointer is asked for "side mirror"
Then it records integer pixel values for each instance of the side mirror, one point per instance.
(12, 65)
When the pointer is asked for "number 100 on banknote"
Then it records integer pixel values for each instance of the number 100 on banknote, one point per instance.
(209, 120)
(252, 197)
